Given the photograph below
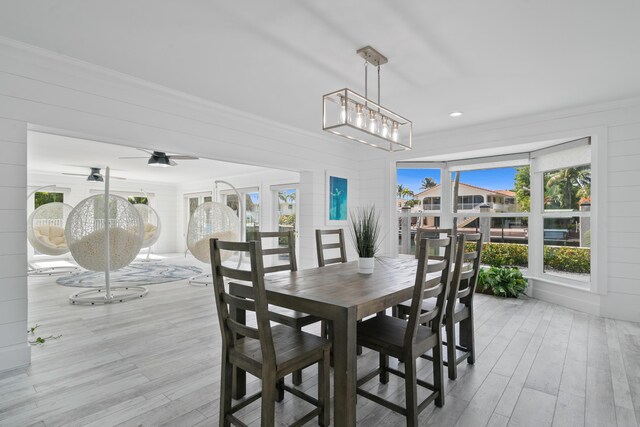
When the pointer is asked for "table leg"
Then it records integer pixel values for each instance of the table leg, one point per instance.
(239, 378)
(345, 368)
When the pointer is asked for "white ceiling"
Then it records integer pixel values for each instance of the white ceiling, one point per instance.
(490, 59)
(54, 154)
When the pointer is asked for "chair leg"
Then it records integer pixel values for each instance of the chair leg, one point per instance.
(268, 410)
(226, 378)
(324, 417)
(411, 392)
(297, 375)
(280, 390)
(438, 374)
(451, 350)
(384, 368)
(467, 339)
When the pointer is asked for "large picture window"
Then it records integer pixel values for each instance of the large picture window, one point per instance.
(534, 209)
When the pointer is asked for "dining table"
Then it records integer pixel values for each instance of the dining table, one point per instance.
(342, 295)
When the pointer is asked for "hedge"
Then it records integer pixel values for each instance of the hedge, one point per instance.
(561, 258)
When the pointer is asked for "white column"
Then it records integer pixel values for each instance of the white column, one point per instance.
(14, 350)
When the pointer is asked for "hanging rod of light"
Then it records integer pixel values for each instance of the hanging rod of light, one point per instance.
(358, 118)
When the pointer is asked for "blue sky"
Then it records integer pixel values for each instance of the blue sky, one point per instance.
(492, 179)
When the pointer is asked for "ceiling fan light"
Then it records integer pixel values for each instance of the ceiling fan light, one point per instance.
(95, 177)
(159, 162)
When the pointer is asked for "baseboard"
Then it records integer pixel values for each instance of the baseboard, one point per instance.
(575, 299)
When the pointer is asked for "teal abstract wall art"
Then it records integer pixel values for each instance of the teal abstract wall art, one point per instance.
(337, 199)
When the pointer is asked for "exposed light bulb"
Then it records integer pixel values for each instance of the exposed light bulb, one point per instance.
(373, 123)
(394, 132)
(456, 114)
(343, 109)
(359, 116)
(385, 127)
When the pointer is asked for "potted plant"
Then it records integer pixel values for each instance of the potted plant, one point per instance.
(365, 232)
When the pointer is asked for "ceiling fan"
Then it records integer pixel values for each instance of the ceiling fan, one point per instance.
(94, 175)
(162, 159)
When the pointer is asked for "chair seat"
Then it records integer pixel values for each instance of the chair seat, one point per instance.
(293, 349)
(385, 334)
(291, 318)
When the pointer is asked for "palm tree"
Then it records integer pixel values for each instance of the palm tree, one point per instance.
(427, 183)
(567, 180)
(404, 192)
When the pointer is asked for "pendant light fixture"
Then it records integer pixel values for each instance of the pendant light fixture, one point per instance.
(360, 119)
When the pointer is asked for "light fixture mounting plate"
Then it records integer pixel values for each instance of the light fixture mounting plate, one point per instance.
(372, 56)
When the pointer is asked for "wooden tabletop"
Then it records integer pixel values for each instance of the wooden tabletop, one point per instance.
(340, 285)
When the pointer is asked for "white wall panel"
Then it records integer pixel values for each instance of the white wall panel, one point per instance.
(14, 350)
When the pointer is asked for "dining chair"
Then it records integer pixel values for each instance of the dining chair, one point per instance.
(321, 247)
(408, 340)
(431, 233)
(266, 352)
(459, 307)
(292, 318)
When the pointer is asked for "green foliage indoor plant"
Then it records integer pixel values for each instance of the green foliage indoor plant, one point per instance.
(365, 229)
(502, 281)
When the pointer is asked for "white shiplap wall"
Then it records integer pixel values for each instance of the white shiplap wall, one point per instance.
(50, 92)
(14, 350)
(623, 219)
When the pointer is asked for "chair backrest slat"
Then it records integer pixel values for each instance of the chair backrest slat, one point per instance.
(276, 268)
(232, 273)
(290, 249)
(436, 266)
(232, 330)
(244, 304)
(321, 247)
(429, 285)
(243, 330)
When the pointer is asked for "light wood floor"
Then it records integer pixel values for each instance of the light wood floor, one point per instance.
(155, 361)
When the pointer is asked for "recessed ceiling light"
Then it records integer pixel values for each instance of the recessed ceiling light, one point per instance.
(456, 114)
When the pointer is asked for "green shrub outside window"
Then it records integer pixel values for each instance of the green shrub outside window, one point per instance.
(560, 258)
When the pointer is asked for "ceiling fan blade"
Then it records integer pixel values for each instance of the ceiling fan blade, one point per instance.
(75, 174)
(182, 157)
(145, 151)
(134, 157)
(118, 177)
(172, 163)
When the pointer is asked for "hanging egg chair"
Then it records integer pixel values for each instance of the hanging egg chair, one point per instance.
(211, 220)
(46, 228)
(85, 233)
(152, 226)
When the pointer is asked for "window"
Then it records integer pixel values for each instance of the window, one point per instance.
(43, 197)
(566, 232)
(192, 201)
(252, 209)
(286, 206)
(419, 192)
(535, 209)
(135, 200)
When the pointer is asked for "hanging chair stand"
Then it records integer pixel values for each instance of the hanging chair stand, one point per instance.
(108, 294)
(206, 279)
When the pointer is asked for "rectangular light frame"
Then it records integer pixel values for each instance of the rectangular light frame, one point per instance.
(342, 122)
